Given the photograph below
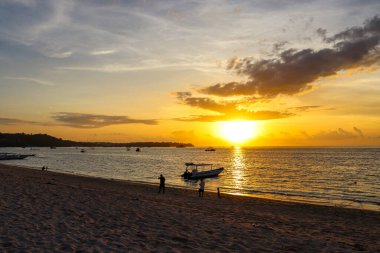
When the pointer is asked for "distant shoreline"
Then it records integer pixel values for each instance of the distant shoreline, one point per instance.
(44, 140)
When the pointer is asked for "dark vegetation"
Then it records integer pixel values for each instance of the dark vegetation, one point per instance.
(44, 140)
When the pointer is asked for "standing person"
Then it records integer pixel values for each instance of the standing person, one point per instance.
(162, 184)
(201, 188)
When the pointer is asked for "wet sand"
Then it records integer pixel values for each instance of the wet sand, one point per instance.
(43, 211)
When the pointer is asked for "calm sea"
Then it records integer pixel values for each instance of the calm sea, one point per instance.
(348, 177)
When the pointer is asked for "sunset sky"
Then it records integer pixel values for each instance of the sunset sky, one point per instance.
(298, 73)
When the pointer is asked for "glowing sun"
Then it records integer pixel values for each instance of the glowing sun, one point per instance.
(237, 131)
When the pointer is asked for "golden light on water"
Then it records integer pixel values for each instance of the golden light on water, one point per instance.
(237, 132)
(239, 167)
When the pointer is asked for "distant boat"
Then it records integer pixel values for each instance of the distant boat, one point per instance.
(138, 150)
(83, 150)
(195, 174)
(210, 149)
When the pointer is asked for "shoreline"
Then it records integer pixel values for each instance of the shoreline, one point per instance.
(297, 199)
(174, 188)
(51, 211)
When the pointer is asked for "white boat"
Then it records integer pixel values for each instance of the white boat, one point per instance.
(195, 174)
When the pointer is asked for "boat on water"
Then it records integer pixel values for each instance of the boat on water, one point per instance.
(11, 156)
(195, 174)
(138, 150)
(210, 149)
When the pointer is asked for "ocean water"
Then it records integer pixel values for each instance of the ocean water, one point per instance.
(347, 177)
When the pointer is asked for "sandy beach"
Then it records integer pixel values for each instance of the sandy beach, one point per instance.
(43, 211)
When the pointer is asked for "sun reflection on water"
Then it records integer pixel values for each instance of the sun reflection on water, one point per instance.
(239, 166)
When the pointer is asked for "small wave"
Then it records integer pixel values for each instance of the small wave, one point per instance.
(305, 196)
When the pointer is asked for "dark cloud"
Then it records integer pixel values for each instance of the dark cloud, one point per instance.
(308, 108)
(232, 62)
(370, 29)
(359, 132)
(8, 121)
(339, 134)
(206, 103)
(294, 71)
(277, 47)
(305, 108)
(82, 120)
(225, 110)
(322, 33)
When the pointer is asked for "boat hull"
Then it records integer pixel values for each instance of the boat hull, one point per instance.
(202, 174)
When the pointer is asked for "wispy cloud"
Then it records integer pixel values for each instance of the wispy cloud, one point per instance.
(338, 134)
(10, 121)
(305, 108)
(64, 54)
(29, 80)
(103, 52)
(243, 115)
(119, 68)
(78, 31)
(86, 29)
(83, 120)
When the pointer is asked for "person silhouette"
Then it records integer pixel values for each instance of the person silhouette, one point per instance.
(201, 188)
(162, 184)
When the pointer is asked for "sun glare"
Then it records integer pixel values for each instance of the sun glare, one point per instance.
(237, 132)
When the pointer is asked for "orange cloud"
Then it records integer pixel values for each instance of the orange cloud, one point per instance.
(226, 110)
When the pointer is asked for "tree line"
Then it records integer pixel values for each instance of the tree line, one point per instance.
(44, 140)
